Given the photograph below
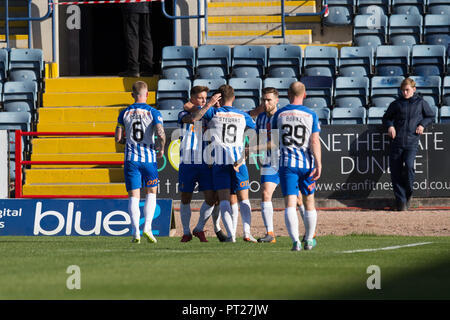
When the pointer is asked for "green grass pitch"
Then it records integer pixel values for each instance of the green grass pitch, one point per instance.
(114, 268)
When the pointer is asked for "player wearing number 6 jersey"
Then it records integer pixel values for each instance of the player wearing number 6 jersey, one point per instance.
(300, 161)
(137, 126)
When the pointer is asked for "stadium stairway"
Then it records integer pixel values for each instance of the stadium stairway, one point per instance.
(18, 30)
(80, 105)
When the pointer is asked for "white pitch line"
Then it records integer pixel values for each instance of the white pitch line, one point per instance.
(387, 248)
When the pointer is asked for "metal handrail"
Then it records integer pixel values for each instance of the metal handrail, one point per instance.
(199, 16)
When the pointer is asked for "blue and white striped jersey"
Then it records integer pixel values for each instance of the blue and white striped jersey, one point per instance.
(139, 120)
(295, 124)
(192, 142)
(264, 122)
(226, 127)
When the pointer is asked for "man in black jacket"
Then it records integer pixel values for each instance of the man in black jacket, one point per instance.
(139, 46)
(406, 118)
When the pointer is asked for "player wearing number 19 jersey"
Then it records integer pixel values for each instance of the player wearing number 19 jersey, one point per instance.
(300, 161)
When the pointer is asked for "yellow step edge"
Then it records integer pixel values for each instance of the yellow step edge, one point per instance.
(14, 37)
(89, 99)
(227, 4)
(96, 84)
(76, 145)
(337, 45)
(239, 33)
(75, 189)
(77, 127)
(76, 157)
(100, 175)
(260, 19)
(83, 114)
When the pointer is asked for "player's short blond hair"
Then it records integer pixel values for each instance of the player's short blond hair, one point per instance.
(297, 89)
(226, 91)
(408, 82)
(268, 90)
(138, 87)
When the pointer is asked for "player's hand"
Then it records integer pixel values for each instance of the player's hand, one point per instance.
(214, 101)
(238, 164)
(159, 153)
(419, 129)
(315, 174)
(392, 133)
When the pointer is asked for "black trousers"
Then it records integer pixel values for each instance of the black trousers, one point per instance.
(138, 41)
(401, 161)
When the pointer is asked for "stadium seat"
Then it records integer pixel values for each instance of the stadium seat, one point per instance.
(384, 90)
(436, 113)
(249, 61)
(408, 6)
(12, 121)
(437, 29)
(324, 115)
(428, 60)
(351, 92)
(282, 86)
(340, 12)
(284, 61)
(370, 30)
(169, 115)
(4, 65)
(392, 60)
(172, 94)
(177, 62)
(319, 91)
(375, 115)
(212, 84)
(438, 7)
(405, 29)
(213, 61)
(355, 115)
(320, 61)
(446, 91)
(429, 88)
(26, 65)
(367, 6)
(247, 92)
(356, 61)
(444, 114)
(20, 96)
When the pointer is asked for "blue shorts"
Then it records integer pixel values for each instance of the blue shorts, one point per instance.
(269, 174)
(294, 179)
(140, 174)
(190, 174)
(225, 177)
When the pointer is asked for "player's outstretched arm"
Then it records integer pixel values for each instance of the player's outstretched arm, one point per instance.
(317, 153)
(119, 135)
(198, 114)
(161, 141)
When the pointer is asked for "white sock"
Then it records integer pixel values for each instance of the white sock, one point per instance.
(310, 224)
(216, 218)
(291, 220)
(205, 213)
(185, 215)
(246, 214)
(235, 216)
(267, 215)
(301, 209)
(149, 211)
(225, 211)
(135, 214)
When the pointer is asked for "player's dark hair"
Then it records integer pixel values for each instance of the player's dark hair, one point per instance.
(270, 90)
(226, 91)
(198, 89)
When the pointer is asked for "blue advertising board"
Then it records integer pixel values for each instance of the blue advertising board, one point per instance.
(77, 217)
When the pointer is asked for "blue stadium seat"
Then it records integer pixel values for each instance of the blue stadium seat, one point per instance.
(12, 121)
(212, 84)
(177, 62)
(428, 60)
(249, 61)
(436, 113)
(320, 61)
(169, 115)
(384, 90)
(430, 88)
(405, 29)
(20, 96)
(444, 114)
(324, 115)
(446, 91)
(172, 94)
(247, 92)
(213, 61)
(282, 86)
(26, 65)
(408, 6)
(319, 91)
(356, 61)
(4, 65)
(392, 60)
(284, 61)
(370, 30)
(375, 115)
(367, 6)
(437, 29)
(438, 6)
(340, 12)
(351, 92)
(355, 115)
